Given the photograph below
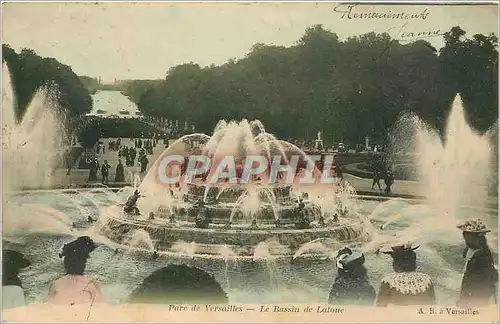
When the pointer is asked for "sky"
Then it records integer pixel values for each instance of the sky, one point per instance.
(143, 40)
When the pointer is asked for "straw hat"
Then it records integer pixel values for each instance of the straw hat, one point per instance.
(473, 225)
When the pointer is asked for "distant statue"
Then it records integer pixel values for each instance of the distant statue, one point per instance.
(155, 254)
(74, 287)
(351, 287)
(302, 222)
(319, 136)
(406, 286)
(254, 223)
(277, 223)
(90, 220)
(172, 219)
(151, 216)
(131, 204)
(480, 275)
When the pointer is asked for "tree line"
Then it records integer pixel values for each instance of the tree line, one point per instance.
(29, 72)
(347, 89)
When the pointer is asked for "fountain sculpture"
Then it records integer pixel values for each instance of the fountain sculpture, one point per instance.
(234, 213)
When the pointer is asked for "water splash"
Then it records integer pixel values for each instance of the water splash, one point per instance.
(32, 145)
(140, 239)
(188, 249)
(456, 170)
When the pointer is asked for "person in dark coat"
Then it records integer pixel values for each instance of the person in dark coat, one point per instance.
(93, 170)
(144, 163)
(351, 287)
(389, 181)
(480, 275)
(376, 178)
(120, 172)
(406, 286)
(105, 172)
(13, 294)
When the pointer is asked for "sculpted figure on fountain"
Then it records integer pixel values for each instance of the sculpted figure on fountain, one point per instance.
(131, 204)
(202, 218)
(302, 222)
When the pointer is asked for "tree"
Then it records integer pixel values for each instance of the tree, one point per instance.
(30, 72)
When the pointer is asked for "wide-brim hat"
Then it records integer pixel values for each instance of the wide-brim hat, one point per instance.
(346, 258)
(401, 248)
(473, 225)
(12, 258)
(82, 246)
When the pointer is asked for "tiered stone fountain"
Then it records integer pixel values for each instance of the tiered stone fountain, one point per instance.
(233, 214)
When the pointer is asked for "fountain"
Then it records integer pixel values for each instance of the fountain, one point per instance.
(31, 144)
(455, 169)
(236, 214)
(261, 260)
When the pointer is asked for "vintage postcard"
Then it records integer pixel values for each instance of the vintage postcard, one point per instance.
(249, 162)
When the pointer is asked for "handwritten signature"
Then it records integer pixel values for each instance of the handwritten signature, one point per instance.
(401, 33)
(348, 12)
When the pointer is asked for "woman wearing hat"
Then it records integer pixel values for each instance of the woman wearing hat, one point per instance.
(405, 286)
(480, 275)
(12, 290)
(75, 288)
(351, 287)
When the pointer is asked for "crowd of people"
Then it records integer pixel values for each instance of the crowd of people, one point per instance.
(186, 285)
(141, 149)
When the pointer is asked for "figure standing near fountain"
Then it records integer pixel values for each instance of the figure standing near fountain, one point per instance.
(351, 287)
(120, 172)
(12, 290)
(480, 276)
(131, 204)
(105, 172)
(406, 286)
(74, 287)
(389, 180)
(376, 178)
(93, 170)
(144, 163)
